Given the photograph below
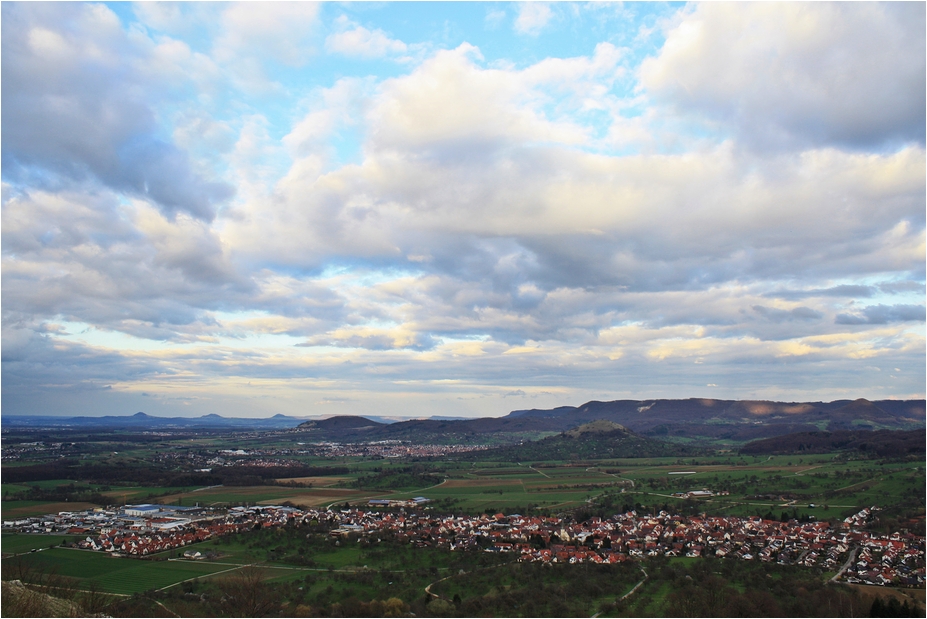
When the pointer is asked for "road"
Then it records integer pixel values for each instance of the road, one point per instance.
(846, 565)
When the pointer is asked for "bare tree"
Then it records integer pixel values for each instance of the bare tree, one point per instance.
(247, 595)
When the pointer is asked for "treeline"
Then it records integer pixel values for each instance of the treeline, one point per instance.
(415, 476)
(114, 474)
(728, 588)
(883, 443)
(62, 493)
(587, 446)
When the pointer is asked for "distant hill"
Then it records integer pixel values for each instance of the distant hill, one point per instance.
(440, 431)
(884, 443)
(694, 418)
(341, 424)
(143, 421)
(595, 440)
(739, 420)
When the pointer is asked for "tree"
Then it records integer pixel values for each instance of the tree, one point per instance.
(247, 595)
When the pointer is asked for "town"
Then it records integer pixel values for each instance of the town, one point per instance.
(858, 555)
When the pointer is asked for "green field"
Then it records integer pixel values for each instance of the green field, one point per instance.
(835, 486)
(112, 575)
(12, 543)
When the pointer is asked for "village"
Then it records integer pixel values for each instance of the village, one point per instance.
(855, 554)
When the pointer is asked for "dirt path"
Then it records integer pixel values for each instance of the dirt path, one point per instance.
(629, 593)
(631, 481)
(231, 569)
(436, 596)
(166, 608)
(384, 494)
(538, 472)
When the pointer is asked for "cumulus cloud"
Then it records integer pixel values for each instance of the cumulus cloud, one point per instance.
(340, 106)
(802, 74)
(71, 113)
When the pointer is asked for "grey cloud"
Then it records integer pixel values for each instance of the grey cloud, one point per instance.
(882, 314)
(779, 315)
(844, 290)
(68, 114)
(376, 341)
(81, 257)
(32, 360)
(902, 287)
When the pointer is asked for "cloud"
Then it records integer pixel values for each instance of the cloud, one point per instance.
(902, 286)
(779, 315)
(494, 18)
(882, 314)
(453, 170)
(448, 231)
(254, 37)
(843, 290)
(355, 40)
(342, 105)
(280, 31)
(126, 268)
(177, 18)
(373, 339)
(797, 75)
(71, 114)
(532, 17)
(451, 101)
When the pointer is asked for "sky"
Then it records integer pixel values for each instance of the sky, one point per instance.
(459, 209)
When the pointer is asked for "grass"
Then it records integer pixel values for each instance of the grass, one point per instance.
(9, 489)
(13, 543)
(111, 574)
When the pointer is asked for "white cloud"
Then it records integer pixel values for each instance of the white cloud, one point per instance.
(333, 109)
(177, 18)
(450, 100)
(797, 73)
(280, 30)
(532, 17)
(254, 34)
(494, 18)
(355, 40)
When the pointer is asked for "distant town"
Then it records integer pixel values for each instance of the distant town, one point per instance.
(857, 555)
